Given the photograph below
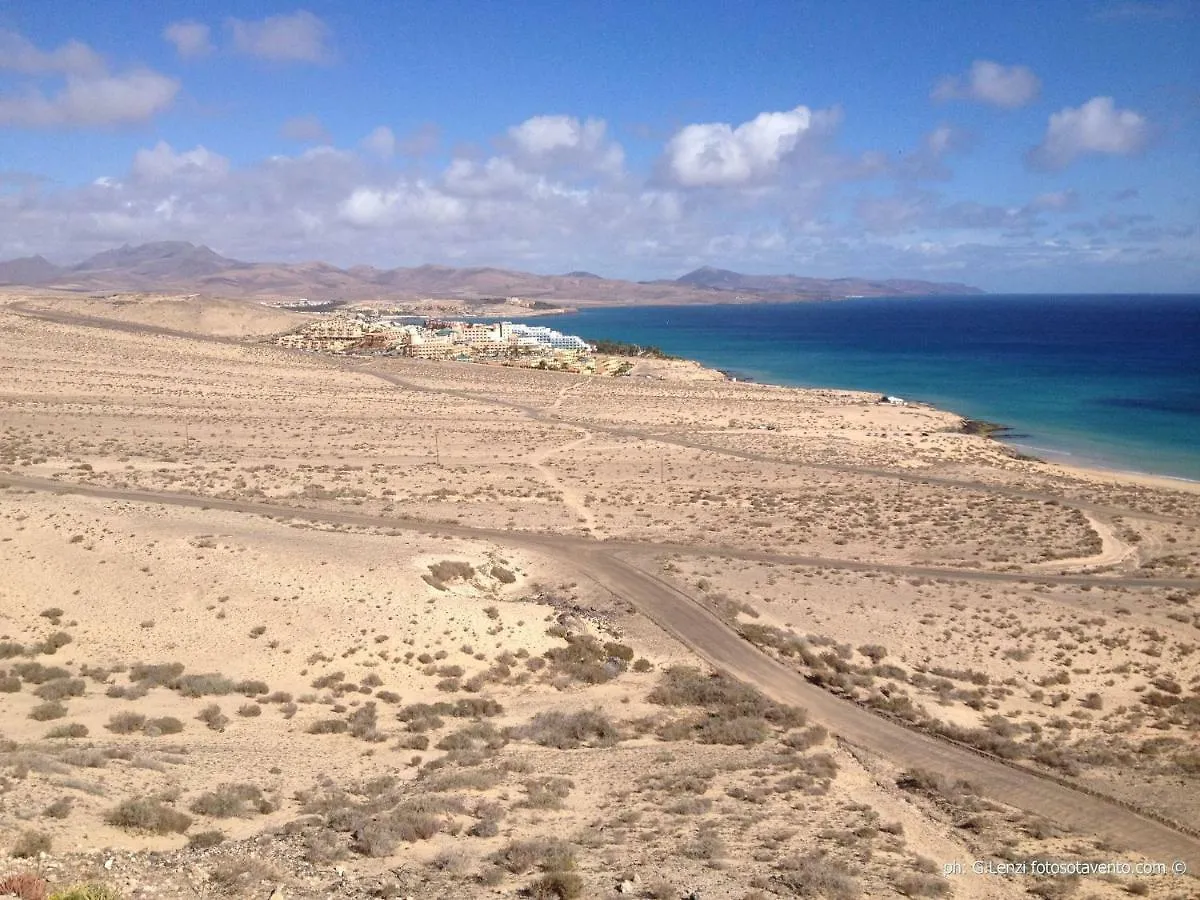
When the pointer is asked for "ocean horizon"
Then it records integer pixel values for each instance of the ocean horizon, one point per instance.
(1109, 381)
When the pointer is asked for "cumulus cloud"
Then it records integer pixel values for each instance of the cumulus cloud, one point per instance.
(191, 39)
(17, 54)
(381, 142)
(305, 129)
(102, 100)
(90, 95)
(720, 155)
(547, 141)
(992, 83)
(161, 164)
(415, 203)
(1097, 127)
(295, 37)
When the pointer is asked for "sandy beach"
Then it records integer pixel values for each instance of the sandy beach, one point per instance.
(387, 627)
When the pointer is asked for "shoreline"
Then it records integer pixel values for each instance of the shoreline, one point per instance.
(987, 430)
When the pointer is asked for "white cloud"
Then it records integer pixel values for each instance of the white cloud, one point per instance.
(381, 142)
(296, 37)
(719, 155)
(74, 57)
(1097, 127)
(306, 130)
(103, 100)
(992, 83)
(191, 39)
(1056, 201)
(544, 141)
(162, 163)
(410, 203)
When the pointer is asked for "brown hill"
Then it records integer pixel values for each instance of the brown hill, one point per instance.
(184, 267)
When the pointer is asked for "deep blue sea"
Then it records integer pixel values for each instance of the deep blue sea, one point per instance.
(1096, 380)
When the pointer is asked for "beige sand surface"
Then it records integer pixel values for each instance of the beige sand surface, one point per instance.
(309, 624)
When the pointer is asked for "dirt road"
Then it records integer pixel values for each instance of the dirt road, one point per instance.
(717, 643)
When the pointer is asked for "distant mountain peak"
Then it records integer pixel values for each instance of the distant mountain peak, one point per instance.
(581, 274)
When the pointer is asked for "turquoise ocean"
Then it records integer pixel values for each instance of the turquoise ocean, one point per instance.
(1110, 381)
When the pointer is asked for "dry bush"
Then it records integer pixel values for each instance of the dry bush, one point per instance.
(212, 716)
(916, 884)
(30, 844)
(24, 886)
(61, 689)
(71, 730)
(817, 876)
(162, 725)
(230, 800)
(448, 570)
(240, 875)
(126, 723)
(144, 814)
(44, 712)
(155, 674)
(722, 696)
(59, 809)
(567, 731)
(557, 886)
(203, 840)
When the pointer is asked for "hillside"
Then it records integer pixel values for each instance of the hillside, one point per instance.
(184, 267)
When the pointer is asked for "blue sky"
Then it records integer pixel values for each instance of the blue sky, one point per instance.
(1022, 146)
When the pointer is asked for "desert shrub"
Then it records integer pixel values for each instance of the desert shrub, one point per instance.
(642, 665)
(484, 828)
(251, 688)
(873, 652)
(212, 716)
(59, 809)
(364, 723)
(448, 570)
(53, 643)
(329, 726)
(249, 710)
(239, 875)
(144, 814)
(36, 673)
(86, 892)
(202, 840)
(412, 742)
(126, 723)
(11, 649)
(915, 884)
(743, 730)
(816, 876)
(803, 740)
(61, 689)
(203, 685)
(503, 575)
(552, 855)
(230, 800)
(567, 731)
(155, 674)
(9, 684)
(44, 712)
(24, 886)
(557, 886)
(30, 844)
(622, 652)
(162, 725)
(71, 730)
(722, 696)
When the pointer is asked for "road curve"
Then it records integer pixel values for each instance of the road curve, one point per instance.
(714, 641)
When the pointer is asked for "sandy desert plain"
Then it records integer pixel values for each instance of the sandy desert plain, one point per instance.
(291, 625)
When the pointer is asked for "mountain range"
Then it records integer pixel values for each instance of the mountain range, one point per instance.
(182, 266)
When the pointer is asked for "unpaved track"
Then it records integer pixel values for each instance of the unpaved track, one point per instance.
(714, 641)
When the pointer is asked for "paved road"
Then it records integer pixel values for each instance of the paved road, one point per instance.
(716, 642)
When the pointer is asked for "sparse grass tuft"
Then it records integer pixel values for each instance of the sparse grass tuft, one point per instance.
(144, 814)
